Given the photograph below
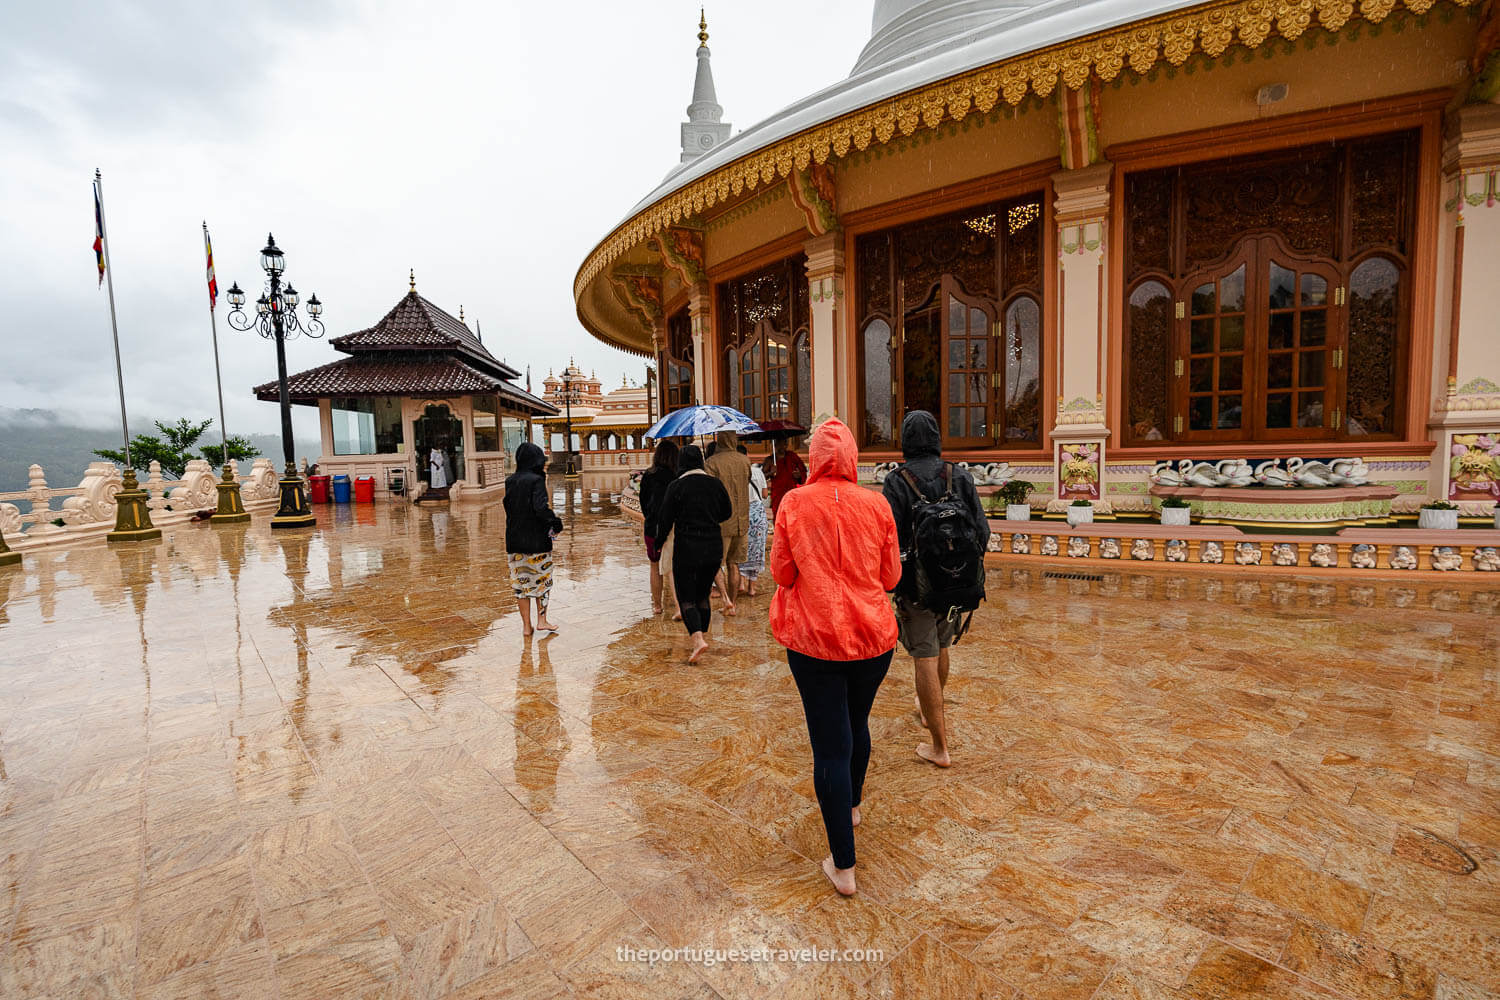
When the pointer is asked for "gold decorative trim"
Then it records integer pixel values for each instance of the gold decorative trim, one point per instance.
(1210, 27)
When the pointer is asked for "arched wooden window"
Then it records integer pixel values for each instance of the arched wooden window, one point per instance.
(802, 365)
(950, 320)
(1285, 277)
(676, 364)
(760, 316)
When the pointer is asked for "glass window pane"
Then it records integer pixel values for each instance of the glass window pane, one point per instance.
(955, 421)
(486, 424)
(1314, 290)
(804, 380)
(1203, 300)
(1202, 338)
(1201, 413)
(1311, 369)
(1279, 291)
(1279, 409)
(922, 362)
(353, 425)
(956, 352)
(732, 367)
(956, 317)
(1279, 337)
(1023, 365)
(877, 385)
(1310, 409)
(1314, 327)
(1374, 318)
(977, 427)
(979, 354)
(1232, 333)
(1232, 291)
(979, 323)
(1231, 372)
(1279, 371)
(1229, 412)
(956, 390)
(1201, 375)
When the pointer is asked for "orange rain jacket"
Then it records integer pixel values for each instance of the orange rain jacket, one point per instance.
(834, 559)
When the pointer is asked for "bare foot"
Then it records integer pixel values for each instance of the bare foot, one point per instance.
(656, 610)
(854, 814)
(927, 753)
(920, 714)
(677, 615)
(729, 609)
(842, 878)
(698, 648)
(545, 626)
(527, 631)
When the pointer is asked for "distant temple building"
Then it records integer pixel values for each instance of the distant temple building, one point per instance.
(608, 428)
(1099, 235)
(417, 382)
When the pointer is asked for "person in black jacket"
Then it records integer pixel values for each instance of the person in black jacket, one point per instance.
(529, 528)
(925, 634)
(692, 510)
(654, 485)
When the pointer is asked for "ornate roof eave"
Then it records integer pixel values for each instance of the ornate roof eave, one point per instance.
(1209, 28)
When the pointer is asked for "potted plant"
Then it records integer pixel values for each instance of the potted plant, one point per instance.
(1081, 512)
(1015, 493)
(1175, 510)
(1438, 514)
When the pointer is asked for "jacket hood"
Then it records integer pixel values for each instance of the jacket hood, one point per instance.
(832, 454)
(919, 435)
(530, 458)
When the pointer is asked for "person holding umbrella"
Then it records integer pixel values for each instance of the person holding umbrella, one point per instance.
(694, 507)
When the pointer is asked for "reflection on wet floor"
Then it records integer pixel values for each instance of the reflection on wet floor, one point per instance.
(326, 764)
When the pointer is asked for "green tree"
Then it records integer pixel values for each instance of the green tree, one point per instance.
(174, 448)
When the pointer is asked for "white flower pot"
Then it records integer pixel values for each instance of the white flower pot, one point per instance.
(1177, 515)
(1080, 515)
(1445, 519)
(1022, 512)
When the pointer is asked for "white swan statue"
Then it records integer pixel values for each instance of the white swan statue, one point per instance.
(1349, 471)
(1235, 472)
(883, 469)
(1272, 474)
(1165, 475)
(1201, 474)
(1313, 474)
(996, 474)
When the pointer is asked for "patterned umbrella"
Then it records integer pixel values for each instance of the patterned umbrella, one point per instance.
(692, 421)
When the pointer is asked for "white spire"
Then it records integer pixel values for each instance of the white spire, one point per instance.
(703, 130)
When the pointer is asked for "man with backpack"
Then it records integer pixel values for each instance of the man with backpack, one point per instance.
(944, 535)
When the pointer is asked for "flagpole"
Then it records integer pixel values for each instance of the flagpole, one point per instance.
(114, 326)
(213, 322)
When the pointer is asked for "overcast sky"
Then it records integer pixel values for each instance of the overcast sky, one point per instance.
(487, 145)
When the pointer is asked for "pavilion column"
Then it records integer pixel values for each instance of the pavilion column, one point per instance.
(1466, 352)
(700, 316)
(825, 280)
(1082, 350)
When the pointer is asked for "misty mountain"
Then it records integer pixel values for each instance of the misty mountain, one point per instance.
(64, 450)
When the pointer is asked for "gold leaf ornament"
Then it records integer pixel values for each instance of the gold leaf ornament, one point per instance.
(1334, 14)
(1376, 11)
(1295, 18)
(1044, 70)
(1143, 47)
(1255, 22)
(1216, 33)
(1178, 39)
(1109, 58)
(1014, 81)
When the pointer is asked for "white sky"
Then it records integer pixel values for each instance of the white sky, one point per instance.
(488, 145)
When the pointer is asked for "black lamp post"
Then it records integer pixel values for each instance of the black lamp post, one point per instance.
(276, 319)
(570, 467)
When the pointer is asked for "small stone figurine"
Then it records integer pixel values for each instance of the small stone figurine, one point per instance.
(1247, 554)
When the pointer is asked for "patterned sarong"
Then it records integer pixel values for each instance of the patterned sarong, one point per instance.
(531, 577)
(755, 542)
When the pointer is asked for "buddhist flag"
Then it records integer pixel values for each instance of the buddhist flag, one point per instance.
(99, 232)
(213, 283)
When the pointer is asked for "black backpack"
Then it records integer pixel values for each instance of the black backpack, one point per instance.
(948, 561)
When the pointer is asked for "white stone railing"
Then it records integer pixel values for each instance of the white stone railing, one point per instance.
(88, 509)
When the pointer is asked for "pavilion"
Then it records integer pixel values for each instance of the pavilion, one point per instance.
(417, 380)
(608, 427)
(1100, 234)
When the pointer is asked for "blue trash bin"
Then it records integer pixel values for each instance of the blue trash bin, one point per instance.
(341, 489)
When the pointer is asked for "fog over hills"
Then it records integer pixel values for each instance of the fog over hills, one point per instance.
(64, 449)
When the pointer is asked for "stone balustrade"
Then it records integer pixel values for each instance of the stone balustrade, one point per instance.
(88, 509)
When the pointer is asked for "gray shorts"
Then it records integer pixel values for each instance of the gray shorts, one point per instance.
(923, 633)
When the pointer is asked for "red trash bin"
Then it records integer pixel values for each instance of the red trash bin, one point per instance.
(364, 489)
(318, 486)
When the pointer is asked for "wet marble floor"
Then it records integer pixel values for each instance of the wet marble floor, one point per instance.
(325, 764)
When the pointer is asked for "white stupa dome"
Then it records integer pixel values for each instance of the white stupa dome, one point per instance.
(902, 27)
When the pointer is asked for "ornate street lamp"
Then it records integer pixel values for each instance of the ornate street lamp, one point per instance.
(276, 319)
(570, 468)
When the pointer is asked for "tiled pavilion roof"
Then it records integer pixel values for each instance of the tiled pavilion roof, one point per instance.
(398, 375)
(417, 324)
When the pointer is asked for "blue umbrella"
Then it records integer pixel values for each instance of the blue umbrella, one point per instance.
(692, 421)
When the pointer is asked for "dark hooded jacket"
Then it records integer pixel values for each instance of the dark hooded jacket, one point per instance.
(528, 517)
(922, 447)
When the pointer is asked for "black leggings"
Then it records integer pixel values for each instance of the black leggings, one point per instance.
(836, 698)
(693, 583)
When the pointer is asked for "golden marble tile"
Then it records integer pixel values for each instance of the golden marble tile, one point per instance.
(1157, 946)
(244, 973)
(96, 959)
(1355, 967)
(1249, 924)
(1436, 940)
(461, 949)
(926, 968)
(855, 922)
(1322, 897)
(1225, 972)
(364, 965)
(528, 977)
(1040, 960)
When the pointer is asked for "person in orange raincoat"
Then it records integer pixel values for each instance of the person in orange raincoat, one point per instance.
(834, 559)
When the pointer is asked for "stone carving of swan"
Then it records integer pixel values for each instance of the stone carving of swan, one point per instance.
(1312, 474)
(1165, 475)
(1349, 471)
(1201, 474)
(1235, 472)
(1272, 474)
(996, 474)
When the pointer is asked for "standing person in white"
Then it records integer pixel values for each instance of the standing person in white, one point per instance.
(437, 466)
